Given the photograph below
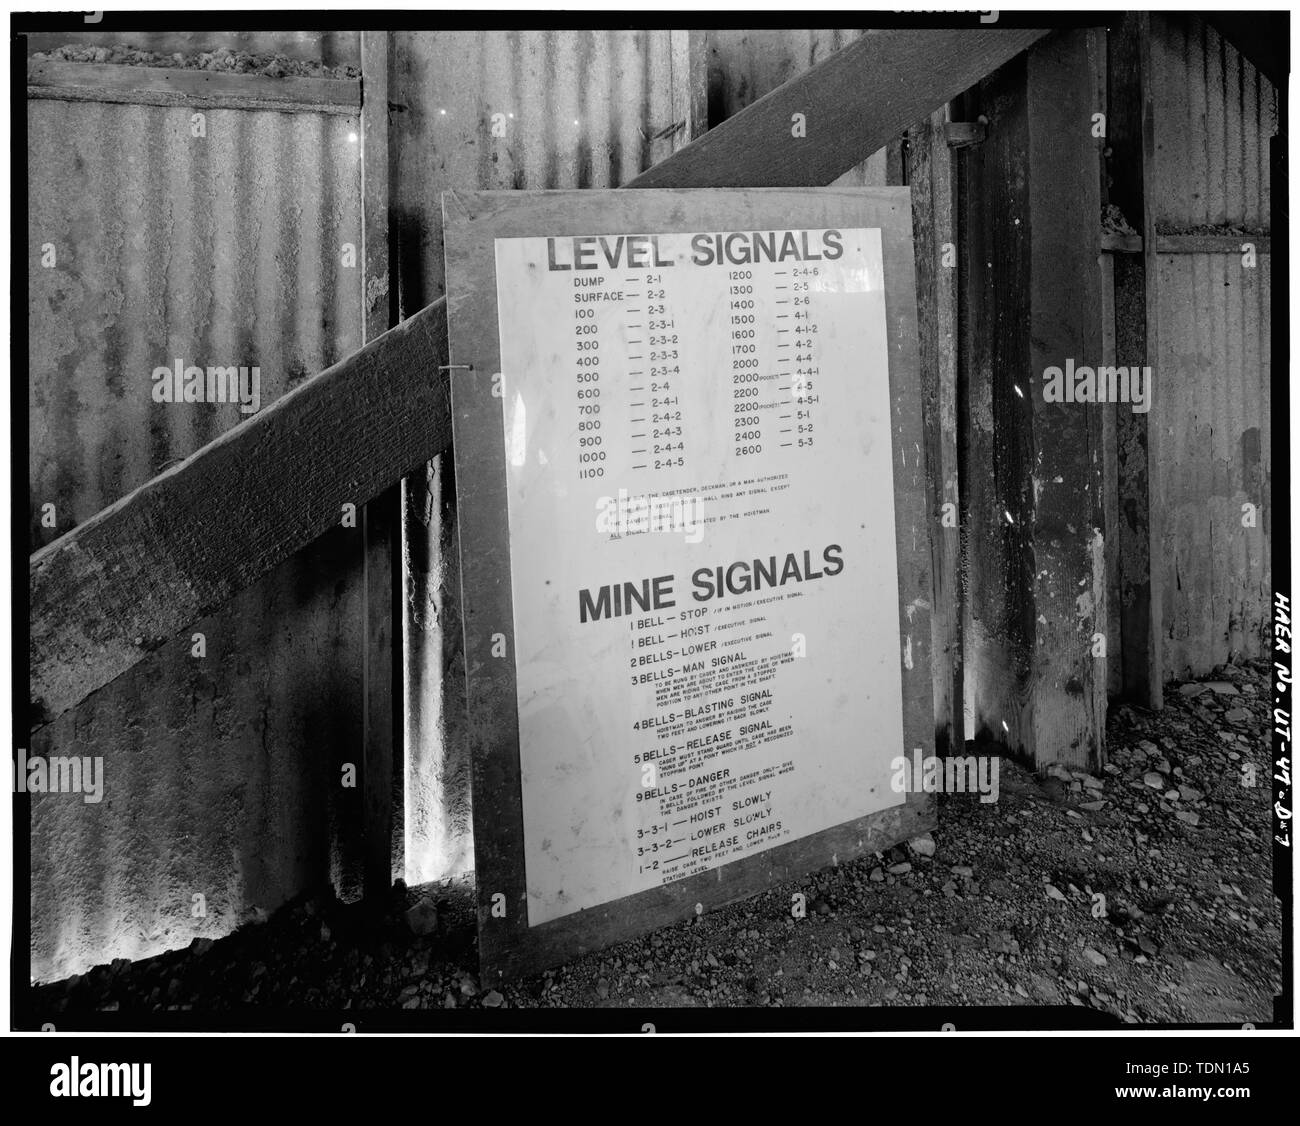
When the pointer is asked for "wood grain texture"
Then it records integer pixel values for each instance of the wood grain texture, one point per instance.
(201, 89)
(1114, 243)
(1131, 167)
(508, 946)
(854, 102)
(121, 584)
(1066, 685)
(930, 175)
(1212, 244)
(1033, 469)
(994, 421)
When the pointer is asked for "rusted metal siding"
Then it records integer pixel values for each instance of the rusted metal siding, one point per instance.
(1213, 116)
(222, 772)
(578, 109)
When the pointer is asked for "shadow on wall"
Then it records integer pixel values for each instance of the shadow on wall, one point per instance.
(221, 778)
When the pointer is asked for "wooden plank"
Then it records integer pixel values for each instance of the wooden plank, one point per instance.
(690, 54)
(1066, 684)
(121, 584)
(853, 103)
(1110, 491)
(993, 420)
(963, 134)
(1032, 469)
(1130, 169)
(1212, 244)
(381, 723)
(930, 175)
(1121, 244)
(199, 89)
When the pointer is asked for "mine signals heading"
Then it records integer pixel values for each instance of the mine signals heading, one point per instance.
(742, 577)
(737, 248)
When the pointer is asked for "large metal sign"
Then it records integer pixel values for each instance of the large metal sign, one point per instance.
(694, 547)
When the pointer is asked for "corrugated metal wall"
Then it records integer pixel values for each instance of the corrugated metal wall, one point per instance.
(579, 109)
(1214, 115)
(746, 64)
(222, 773)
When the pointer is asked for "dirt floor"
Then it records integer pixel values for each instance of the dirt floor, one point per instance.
(1002, 906)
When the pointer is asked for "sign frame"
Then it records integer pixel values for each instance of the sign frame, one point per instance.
(508, 946)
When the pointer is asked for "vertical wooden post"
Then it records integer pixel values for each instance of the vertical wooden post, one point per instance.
(930, 175)
(1033, 469)
(1067, 680)
(381, 723)
(1131, 141)
(691, 48)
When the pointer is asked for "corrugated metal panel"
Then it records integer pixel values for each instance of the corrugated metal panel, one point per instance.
(744, 65)
(1214, 115)
(221, 772)
(579, 109)
(1211, 414)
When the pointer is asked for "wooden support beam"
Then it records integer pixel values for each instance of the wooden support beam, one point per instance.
(692, 44)
(381, 519)
(1066, 717)
(853, 103)
(1186, 244)
(930, 176)
(1033, 469)
(1212, 244)
(199, 89)
(1129, 118)
(1114, 243)
(120, 585)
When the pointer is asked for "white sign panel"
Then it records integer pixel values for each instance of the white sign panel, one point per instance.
(700, 501)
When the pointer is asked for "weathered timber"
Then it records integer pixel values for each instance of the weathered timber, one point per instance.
(200, 89)
(1212, 244)
(1066, 690)
(853, 103)
(930, 176)
(1033, 468)
(1132, 142)
(118, 586)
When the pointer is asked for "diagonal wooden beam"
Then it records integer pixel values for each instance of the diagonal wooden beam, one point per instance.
(119, 586)
(853, 103)
(126, 581)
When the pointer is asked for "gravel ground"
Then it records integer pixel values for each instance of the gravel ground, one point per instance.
(1144, 892)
